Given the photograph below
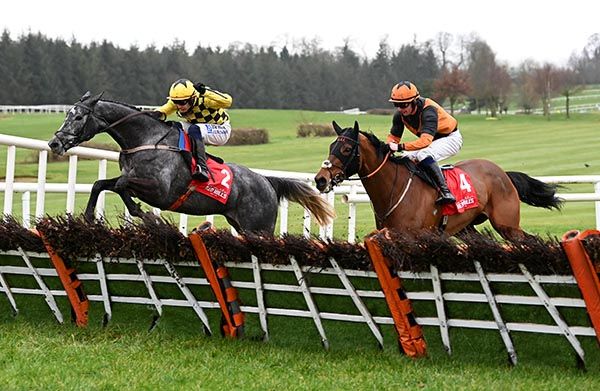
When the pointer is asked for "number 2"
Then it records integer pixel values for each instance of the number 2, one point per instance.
(226, 178)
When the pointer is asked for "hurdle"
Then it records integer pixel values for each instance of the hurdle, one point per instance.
(306, 258)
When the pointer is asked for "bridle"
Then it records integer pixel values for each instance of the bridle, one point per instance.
(109, 125)
(91, 113)
(351, 162)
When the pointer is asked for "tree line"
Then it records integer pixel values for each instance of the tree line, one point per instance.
(35, 69)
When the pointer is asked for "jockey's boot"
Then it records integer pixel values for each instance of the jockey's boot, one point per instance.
(434, 171)
(200, 172)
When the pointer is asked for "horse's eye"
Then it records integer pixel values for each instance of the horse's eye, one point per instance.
(78, 118)
(346, 149)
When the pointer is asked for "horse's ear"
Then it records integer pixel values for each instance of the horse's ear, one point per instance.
(85, 96)
(337, 128)
(95, 99)
(356, 126)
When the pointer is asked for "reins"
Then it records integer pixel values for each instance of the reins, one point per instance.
(374, 172)
(110, 125)
(121, 120)
(393, 208)
(124, 119)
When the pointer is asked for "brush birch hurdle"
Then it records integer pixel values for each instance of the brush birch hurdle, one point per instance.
(263, 310)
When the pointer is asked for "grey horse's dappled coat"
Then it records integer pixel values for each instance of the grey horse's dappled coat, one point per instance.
(158, 173)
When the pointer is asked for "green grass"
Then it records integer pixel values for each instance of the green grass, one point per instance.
(532, 144)
(36, 353)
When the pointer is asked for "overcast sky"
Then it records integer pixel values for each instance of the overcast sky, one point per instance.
(515, 30)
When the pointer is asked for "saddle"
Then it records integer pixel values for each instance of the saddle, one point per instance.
(414, 169)
(220, 179)
(459, 183)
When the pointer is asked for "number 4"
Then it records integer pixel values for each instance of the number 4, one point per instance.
(464, 184)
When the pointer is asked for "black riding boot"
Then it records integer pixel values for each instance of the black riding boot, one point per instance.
(435, 172)
(200, 172)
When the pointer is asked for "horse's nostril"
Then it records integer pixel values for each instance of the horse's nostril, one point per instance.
(55, 146)
(321, 183)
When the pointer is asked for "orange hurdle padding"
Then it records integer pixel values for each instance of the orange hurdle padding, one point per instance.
(410, 334)
(71, 284)
(585, 273)
(226, 294)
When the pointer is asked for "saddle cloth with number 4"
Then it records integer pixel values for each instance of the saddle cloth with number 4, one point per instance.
(459, 183)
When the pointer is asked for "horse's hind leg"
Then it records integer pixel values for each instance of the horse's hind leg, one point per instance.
(505, 217)
(254, 217)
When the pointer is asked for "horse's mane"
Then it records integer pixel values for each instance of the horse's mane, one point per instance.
(122, 104)
(379, 145)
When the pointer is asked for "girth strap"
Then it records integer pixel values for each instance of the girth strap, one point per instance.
(182, 198)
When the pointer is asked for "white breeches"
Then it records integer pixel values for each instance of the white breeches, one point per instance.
(439, 149)
(212, 134)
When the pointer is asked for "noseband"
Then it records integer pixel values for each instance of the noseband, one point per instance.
(350, 158)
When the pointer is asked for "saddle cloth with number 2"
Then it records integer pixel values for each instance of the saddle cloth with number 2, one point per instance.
(220, 179)
(218, 186)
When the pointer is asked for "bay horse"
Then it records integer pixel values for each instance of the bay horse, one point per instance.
(154, 170)
(403, 201)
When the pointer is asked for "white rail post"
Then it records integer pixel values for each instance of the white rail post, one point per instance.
(283, 216)
(260, 298)
(100, 205)
(327, 232)
(10, 179)
(26, 208)
(331, 200)
(183, 223)
(351, 222)
(597, 191)
(306, 224)
(72, 181)
(352, 217)
(103, 289)
(40, 198)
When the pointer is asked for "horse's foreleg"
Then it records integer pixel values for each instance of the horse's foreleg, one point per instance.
(133, 207)
(121, 188)
(117, 185)
(98, 187)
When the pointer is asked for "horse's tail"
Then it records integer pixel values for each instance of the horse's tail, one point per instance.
(534, 192)
(300, 192)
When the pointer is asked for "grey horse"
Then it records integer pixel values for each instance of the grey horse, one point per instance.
(155, 171)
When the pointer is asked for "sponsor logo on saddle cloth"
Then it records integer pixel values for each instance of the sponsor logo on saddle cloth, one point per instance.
(459, 183)
(219, 182)
(220, 179)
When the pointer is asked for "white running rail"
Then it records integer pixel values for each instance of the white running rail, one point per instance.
(353, 194)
